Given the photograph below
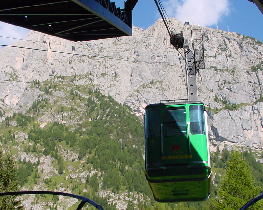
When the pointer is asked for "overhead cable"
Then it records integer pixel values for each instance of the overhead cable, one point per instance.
(164, 16)
(43, 50)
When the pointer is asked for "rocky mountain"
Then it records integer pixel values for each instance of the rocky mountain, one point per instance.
(74, 139)
(145, 68)
(67, 108)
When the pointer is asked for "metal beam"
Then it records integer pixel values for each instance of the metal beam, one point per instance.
(99, 10)
(34, 5)
(130, 4)
(62, 21)
(191, 75)
(69, 19)
(259, 4)
(80, 26)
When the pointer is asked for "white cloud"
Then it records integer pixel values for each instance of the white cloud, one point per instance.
(8, 30)
(200, 12)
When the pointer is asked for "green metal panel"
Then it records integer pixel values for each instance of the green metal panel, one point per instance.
(199, 149)
(181, 191)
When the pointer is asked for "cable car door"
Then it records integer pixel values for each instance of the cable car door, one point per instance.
(174, 137)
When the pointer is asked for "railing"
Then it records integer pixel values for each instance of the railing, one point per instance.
(252, 201)
(83, 199)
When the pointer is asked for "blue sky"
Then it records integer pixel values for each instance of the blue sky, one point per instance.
(239, 16)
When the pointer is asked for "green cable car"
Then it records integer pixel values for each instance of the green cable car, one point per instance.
(177, 162)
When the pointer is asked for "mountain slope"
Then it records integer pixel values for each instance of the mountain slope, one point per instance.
(144, 69)
(60, 117)
(74, 139)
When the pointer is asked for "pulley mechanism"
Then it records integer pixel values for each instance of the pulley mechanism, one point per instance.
(176, 39)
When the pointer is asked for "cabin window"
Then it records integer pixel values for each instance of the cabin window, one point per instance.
(197, 122)
(151, 121)
(175, 122)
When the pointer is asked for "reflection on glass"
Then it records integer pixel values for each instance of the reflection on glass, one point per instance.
(175, 122)
(197, 123)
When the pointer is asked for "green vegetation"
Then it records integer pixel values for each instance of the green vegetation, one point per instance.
(35, 83)
(258, 67)
(230, 71)
(105, 136)
(150, 84)
(103, 74)
(260, 99)
(238, 185)
(92, 144)
(13, 77)
(226, 105)
(25, 170)
(223, 46)
(252, 39)
(22, 120)
(8, 182)
(213, 110)
(38, 105)
(256, 167)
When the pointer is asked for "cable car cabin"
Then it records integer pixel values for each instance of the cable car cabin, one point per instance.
(177, 162)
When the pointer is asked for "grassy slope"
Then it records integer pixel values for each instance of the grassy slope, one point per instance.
(80, 141)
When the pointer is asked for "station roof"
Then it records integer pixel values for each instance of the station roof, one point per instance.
(259, 4)
(76, 20)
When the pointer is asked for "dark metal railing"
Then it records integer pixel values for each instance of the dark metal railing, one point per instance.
(83, 199)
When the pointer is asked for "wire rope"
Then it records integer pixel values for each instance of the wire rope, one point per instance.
(43, 50)
(93, 57)
(160, 9)
(165, 14)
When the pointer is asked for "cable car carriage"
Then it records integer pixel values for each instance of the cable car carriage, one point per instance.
(177, 162)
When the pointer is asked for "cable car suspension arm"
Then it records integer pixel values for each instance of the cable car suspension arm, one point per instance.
(194, 57)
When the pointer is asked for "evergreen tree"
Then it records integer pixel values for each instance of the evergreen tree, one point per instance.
(238, 185)
(8, 182)
(256, 167)
(60, 165)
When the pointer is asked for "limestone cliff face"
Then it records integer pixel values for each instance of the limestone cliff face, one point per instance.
(145, 68)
